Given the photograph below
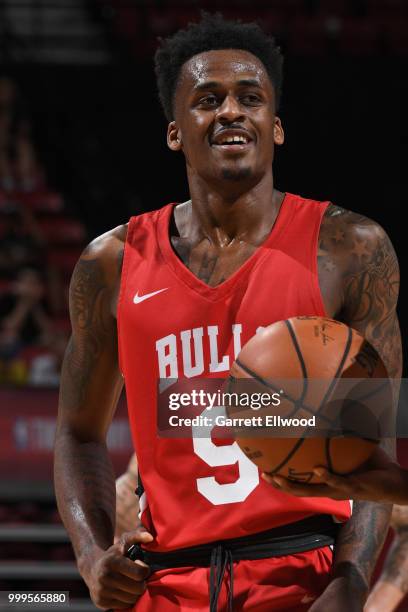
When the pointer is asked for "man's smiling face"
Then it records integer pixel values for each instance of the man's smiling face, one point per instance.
(225, 121)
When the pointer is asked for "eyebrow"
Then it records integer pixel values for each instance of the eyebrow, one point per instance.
(216, 84)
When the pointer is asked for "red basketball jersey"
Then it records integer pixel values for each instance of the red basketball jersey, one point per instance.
(171, 324)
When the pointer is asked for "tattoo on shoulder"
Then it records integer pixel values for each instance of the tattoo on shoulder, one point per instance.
(88, 287)
(91, 321)
(363, 253)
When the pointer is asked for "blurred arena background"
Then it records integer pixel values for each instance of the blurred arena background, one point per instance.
(82, 148)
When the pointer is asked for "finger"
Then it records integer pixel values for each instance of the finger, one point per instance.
(332, 480)
(300, 489)
(127, 539)
(135, 570)
(125, 584)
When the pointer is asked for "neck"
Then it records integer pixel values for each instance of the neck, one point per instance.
(247, 216)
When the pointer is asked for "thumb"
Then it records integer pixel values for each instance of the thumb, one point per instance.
(139, 535)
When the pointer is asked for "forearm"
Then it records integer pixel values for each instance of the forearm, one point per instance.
(85, 491)
(392, 585)
(396, 565)
(359, 544)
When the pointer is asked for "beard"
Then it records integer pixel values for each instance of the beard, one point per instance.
(236, 174)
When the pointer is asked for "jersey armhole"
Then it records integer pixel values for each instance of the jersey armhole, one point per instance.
(122, 287)
(317, 293)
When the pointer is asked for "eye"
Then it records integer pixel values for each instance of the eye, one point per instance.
(251, 99)
(209, 100)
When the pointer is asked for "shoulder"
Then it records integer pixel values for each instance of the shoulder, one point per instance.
(101, 260)
(355, 238)
(106, 245)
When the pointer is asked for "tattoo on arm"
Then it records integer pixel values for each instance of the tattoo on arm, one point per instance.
(94, 497)
(371, 298)
(396, 565)
(363, 253)
(90, 386)
(90, 318)
(360, 542)
(367, 268)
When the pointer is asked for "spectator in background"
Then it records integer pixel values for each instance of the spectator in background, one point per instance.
(22, 243)
(29, 174)
(45, 368)
(8, 96)
(24, 316)
(20, 168)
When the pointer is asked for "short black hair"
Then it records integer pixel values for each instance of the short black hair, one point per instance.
(210, 33)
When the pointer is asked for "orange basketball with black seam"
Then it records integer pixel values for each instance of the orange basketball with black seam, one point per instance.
(312, 358)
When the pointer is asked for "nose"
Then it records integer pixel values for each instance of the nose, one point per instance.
(230, 110)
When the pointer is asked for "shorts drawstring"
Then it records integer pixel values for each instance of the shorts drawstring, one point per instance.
(221, 558)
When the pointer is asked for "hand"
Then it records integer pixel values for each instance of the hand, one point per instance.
(381, 480)
(340, 595)
(114, 581)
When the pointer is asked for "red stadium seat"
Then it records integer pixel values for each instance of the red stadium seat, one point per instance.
(41, 201)
(62, 230)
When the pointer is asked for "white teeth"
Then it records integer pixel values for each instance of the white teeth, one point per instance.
(235, 139)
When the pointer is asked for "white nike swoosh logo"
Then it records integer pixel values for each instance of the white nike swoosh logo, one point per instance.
(141, 298)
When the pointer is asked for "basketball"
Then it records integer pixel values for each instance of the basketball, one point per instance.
(320, 368)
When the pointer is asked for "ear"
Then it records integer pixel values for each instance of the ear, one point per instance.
(173, 137)
(278, 133)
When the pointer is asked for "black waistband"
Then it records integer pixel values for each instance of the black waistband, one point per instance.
(310, 533)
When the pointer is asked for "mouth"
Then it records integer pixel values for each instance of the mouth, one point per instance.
(232, 141)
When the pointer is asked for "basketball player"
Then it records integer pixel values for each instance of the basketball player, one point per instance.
(189, 285)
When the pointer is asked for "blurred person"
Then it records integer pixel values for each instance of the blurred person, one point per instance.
(194, 273)
(24, 317)
(20, 168)
(22, 243)
(28, 171)
(7, 100)
(45, 368)
(8, 94)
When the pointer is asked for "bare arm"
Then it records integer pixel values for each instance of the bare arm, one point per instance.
(127, 503)
(90, 387)
(392, 585)
(371, 285)
(362, 256)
